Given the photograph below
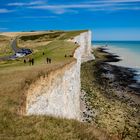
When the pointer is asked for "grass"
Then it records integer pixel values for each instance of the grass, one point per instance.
(46, 128)
(47, 36)
(5, 48)
(55, 50)
(70, 34)
(16, 77)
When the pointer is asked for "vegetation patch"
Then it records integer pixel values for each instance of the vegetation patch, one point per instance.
(47, 36)
(70, 34)
(5, 48)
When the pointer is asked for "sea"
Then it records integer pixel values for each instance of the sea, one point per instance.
(128, 51)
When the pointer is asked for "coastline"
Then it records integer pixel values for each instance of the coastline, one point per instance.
(115, 105)
(128, 59)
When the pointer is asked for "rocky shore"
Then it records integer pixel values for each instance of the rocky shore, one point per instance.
(109, 100)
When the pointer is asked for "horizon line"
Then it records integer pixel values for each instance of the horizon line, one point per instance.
(114, 40)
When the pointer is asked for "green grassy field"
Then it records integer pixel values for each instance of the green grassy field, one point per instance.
(5, 48)
(16, 77)
(55, 49)
(70, 34)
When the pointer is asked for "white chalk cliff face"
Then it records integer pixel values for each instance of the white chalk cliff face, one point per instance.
(58, 94)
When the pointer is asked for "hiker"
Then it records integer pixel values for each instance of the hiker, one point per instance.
(24, 61)
(32, 61)
(65, 55)
(43, 53)
(50, 60)
(47, 59)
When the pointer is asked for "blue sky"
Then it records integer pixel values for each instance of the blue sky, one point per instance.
(108, 19)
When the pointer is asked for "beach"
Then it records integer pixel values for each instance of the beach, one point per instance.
(111, 103)
(129, 55)
(128, 59)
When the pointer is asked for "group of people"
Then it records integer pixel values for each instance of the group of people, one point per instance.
(30, 61)
(68, 55)
(49, 60)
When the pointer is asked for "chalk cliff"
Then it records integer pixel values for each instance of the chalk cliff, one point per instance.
(58, 94)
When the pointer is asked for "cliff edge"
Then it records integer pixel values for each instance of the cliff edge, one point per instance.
(58, 93)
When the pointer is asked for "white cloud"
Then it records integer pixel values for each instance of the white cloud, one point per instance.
(5, 11)
(89, 5)
(69, 6)
(113, 1)
(37, 3)
(60, 9)
(26, 4)
(116, 9)
(16, 4)
(38, 17)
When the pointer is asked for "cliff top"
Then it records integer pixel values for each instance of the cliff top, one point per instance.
(33, 40)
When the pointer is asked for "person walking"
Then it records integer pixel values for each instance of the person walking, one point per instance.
(47, 59)
(50, 60)
(24, 61)
(32, 61)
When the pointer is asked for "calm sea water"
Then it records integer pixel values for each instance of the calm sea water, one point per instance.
(129, 51)
(133, 46)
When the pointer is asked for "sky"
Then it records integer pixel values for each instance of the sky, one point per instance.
(108, 19)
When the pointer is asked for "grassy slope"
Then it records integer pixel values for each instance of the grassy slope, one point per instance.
(15, 77)
(70, 34)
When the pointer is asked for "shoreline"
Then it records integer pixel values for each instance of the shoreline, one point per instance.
(115, 105)
(127, 59)
(134, 81)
